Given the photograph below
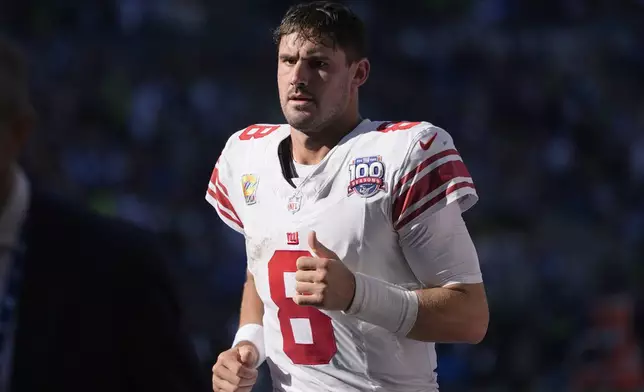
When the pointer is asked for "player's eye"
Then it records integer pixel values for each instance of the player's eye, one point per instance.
(319, 64)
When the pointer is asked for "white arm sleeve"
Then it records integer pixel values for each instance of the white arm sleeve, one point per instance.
(439, 249)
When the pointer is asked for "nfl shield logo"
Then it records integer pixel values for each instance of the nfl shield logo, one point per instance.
(294, 203)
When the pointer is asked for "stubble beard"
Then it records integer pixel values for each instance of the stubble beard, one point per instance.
(315, 122)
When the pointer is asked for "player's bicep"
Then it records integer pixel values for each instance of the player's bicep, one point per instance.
(439, 249)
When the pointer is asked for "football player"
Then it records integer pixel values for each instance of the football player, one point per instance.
(358, 257)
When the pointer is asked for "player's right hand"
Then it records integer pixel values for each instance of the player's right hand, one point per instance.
(235, 369)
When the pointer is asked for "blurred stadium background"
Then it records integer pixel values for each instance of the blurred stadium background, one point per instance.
(544, 99)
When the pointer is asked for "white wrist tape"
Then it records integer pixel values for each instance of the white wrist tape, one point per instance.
(384, 304)
(253, 333)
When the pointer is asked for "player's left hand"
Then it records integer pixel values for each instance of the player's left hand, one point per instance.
(323, 281)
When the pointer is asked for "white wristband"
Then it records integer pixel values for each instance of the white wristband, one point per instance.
(253, 333)
(384, 304)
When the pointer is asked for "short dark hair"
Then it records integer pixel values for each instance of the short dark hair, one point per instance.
(14, 84)
(326, 22)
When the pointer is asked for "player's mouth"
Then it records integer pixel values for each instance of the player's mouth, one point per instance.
(301, 99)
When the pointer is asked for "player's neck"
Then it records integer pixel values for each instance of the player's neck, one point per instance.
(311, 148)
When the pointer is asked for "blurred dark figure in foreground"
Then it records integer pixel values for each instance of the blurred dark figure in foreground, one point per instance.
(85, 302)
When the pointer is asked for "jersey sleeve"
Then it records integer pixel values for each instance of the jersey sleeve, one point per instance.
(439, 249)
(432, 175)
(219, 197)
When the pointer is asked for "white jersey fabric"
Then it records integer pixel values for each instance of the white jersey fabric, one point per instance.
(373, 200)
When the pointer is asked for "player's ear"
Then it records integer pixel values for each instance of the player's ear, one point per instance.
(361, 70)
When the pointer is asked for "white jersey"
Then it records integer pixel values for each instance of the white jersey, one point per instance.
(363, 199)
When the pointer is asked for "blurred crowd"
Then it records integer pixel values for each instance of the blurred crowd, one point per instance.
(544, 99)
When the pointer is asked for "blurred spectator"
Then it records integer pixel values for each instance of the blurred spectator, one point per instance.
(86, 302)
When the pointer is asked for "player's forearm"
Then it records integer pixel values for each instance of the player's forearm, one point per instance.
(252, 308)
(457, 314)
(251, 331)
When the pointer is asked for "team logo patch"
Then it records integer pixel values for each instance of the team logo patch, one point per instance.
(366, 176)
(293, 238)
(249, 188)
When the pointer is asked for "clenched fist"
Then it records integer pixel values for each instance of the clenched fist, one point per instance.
(235, 369)
(323, 281)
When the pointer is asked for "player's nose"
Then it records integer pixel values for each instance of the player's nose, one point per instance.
(300, 76)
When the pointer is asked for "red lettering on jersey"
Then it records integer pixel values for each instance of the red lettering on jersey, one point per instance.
(257, 131)
(292, 238)
(391, 126)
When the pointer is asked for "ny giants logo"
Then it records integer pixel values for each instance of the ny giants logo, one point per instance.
(366, 176)
(293, 238)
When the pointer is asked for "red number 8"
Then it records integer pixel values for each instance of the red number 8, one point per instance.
(323, 347)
